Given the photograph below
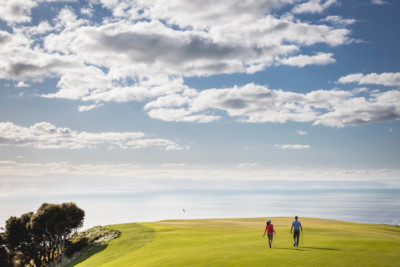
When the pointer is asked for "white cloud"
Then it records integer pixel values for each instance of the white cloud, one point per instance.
(22, 84)
(379, 2)
(303, 60)
(293, 146)
(140, 47)
(87, 11)
(67, 20)
(251, 103)
(314, 6)
(180, 115)
(300, 132)
(42, 28)
(386, 78)
(338, 20)
(19, 11)
(88, 107)
(45, 135)
(16, 11)
(198, 14)
(359, 110)
(257, 104)
(122, 59)
(360, 90)
(22, 62)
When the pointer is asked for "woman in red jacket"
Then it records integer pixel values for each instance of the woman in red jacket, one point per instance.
(269, 229)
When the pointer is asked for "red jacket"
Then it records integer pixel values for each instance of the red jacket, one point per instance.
(269, 228)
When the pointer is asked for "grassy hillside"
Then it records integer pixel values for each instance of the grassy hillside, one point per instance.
(239, 242)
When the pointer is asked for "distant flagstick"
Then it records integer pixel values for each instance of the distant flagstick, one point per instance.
(184, 211)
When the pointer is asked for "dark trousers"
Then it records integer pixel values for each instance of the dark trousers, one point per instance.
(296, 235)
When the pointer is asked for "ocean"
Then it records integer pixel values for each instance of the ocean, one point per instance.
(380, 206)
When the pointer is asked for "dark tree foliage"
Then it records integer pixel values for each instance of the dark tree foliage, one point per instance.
(36, 239)
(21, 241)
(57, 223)
(5, 259)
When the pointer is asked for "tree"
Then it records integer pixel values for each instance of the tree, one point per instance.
(57, 223)
(36, 239)
(22, 244)
(4, 255)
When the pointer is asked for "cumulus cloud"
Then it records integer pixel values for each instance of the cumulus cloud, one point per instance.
(145, 52)
(386, 78)
(180, 115)
(338, 20)
(198, 14)
(20, 61)
(87, 11)
(314, 6)
(141, 47)
(22, 84)
(250, 103)
(45, 135)
(19, 11)
(303, 60)
(16, 11)
(147, 49)
(379, 107)
(42, 28)
(257, 104)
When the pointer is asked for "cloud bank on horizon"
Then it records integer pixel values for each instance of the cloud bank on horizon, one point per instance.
(97, 53)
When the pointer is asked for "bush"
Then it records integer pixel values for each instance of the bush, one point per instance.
(97, 234)
(90, 239)
(76, 245)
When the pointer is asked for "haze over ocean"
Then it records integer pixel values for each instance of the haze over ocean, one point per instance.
(102, 208)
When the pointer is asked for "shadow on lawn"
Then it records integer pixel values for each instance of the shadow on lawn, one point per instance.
(323, 248)
(86, 254)
(138, 236)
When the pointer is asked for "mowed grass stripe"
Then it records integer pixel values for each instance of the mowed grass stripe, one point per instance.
(239, 242)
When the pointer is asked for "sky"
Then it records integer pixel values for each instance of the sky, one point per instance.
(115, 95)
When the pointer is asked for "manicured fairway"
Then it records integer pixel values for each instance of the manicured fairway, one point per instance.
(239, 242)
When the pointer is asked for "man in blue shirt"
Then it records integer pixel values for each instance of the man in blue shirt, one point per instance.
(297, 226)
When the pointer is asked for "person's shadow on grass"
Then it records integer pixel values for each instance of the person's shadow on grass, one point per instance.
(310, 248)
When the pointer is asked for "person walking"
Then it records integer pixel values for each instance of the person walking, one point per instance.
(296, 235)
(269, 229)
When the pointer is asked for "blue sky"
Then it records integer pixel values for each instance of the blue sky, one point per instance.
(206, 90)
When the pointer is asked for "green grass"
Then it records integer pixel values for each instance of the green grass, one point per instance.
(239, 242)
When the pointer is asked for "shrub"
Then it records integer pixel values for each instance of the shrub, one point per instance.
(76, 245)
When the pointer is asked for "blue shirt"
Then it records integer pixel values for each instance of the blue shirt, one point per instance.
(296, 225)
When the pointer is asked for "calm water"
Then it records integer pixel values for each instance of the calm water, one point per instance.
(370, 206)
